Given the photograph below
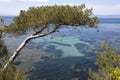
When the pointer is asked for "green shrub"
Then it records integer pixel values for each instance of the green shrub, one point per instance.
(108, 63)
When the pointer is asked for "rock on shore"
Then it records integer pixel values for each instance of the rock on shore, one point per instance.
(1, 23)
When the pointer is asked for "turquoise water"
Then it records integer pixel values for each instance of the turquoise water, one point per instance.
(57, 56)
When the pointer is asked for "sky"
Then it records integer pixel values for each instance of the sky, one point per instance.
(100, 7)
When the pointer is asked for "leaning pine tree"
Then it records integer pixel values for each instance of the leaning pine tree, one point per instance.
(41, 18)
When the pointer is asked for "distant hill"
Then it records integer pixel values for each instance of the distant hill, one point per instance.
(108, 16)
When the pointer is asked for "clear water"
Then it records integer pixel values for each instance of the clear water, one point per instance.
(55, 57)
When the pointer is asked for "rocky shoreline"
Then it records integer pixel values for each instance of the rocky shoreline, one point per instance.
(1, 23)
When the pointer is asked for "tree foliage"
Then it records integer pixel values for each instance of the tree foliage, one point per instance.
(38, 17)
(107, 61)
(3, 52)
(116, 74)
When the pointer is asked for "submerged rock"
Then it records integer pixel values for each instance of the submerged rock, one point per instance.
(52, 49)
(61, 44)
(85, 49)
(17, 62)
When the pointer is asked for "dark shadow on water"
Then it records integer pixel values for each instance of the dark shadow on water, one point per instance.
(62, 69)
(17, 63)
(52, 49)
(39, 45)
(85, 49)
(61, 44)
(33, 45)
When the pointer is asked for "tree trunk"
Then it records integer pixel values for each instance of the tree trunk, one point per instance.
(33, 36)
(16, 53)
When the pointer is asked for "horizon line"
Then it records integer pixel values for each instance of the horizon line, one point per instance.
(93, 14)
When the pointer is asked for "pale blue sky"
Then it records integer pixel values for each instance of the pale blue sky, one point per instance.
(100, 7)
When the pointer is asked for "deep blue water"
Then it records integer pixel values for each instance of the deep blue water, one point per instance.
(109, 20)
(55, 57)
(9, 19)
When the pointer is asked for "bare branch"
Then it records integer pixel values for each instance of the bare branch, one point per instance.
(44, 27)
(54, 30)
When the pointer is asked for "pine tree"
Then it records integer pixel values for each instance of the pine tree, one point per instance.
(108, 63)
(46, 20)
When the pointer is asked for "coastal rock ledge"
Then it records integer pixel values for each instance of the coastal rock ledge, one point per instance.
(1, 23)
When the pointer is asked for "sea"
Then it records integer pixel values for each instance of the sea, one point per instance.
(66, 54)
